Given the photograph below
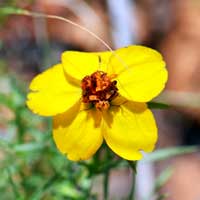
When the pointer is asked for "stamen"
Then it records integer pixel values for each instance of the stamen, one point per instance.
(99, 90)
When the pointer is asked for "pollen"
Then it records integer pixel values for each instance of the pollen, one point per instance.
(99, 89)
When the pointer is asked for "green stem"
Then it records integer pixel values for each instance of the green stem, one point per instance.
(106, 184)
(40, 192)
(132, 192)
(20, 126)
(14, 186)
(133, 166)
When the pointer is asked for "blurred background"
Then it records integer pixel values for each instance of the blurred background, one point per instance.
(31, 167)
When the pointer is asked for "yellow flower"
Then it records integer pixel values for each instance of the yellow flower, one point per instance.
(97, 96)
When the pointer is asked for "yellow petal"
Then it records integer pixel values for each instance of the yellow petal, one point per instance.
(51, 93)
(104, 59)
(141, 72)
(77, 134)
(124, 58)
(119, 100)
(80, 64)
(130, 128)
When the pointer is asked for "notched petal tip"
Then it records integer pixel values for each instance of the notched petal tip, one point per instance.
(131, 130)
(51, 93)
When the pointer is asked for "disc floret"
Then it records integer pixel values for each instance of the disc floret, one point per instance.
(99, 89)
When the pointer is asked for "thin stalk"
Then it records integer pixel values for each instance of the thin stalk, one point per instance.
(133, 166)
(107, 159)
(41, 15)
(15, 189)
(132, 192)
(106, 184)
(19, 124)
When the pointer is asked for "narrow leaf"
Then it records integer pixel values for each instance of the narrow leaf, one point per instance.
(12, 10)
(163, 178)
(163, 154)
(157, 105)
(28, 147)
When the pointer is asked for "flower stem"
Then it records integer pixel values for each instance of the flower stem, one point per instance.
(106, 184)
(133, 166)
(132, 192)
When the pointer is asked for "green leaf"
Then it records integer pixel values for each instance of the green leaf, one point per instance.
(166, 153)
(28, 147)
(6, 100)
(157, 105)
(5, 146)
(38, 194)
(12, 10)
(14, 186)
(160, 181)
(163, 178)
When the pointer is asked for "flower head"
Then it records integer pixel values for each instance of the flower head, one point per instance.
(97, 96)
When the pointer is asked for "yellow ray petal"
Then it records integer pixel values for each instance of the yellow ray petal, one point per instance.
(77, 135)
(51, 93)
(126, 57)
(80, 64)
(141, 72)
(130, 128)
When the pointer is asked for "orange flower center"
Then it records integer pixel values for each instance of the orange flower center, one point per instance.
(99, 89)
